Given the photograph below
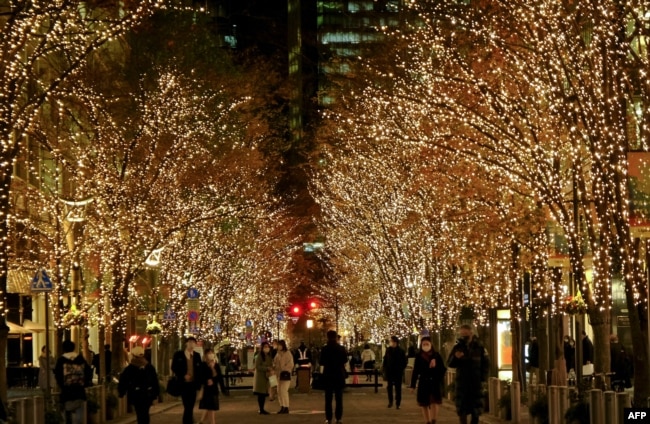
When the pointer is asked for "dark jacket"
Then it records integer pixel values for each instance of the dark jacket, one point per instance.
(570, 356)
(533, 354)
(217, 380)
(107, 361)
(431, 379)
(179, 367)
(139, 382)
(471, 371)
(394, 364)
(333, 358)
(72, 376)
(587, 350)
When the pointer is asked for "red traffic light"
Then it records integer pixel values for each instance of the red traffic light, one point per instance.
(295, 310)
(313, 305)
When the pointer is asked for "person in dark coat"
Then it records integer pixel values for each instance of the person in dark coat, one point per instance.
(139, 382)
(186, 366)
(73, 375)
(570, 353)
(429, 368)
(333, 359)
(533, 360)
(471, 361)
(587, 350)
(393, 367)
(107, 362)
(211, 379)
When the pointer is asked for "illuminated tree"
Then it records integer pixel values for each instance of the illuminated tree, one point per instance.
(44, 43)
(550, 96)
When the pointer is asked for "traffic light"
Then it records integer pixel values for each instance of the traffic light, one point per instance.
(312, 304)
(296, 310)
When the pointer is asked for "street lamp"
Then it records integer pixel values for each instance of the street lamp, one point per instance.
(310, 325)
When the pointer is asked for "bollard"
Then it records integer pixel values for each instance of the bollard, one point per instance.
(622, 401)
(554, 415)
(35, 410)
(596, 406)
(515, 399)
(564, 400)
(610, 407)
(494, 393)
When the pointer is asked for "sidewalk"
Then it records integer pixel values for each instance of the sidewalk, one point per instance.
(361, 405)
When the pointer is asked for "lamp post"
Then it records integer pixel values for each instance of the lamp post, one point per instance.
(310, 325)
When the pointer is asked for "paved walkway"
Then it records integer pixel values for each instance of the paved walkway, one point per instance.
(360, 406)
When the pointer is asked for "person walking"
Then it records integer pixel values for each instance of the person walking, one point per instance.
(471, 362)
(283, 365)
(569, 348)
(355, 366)
(587, 349)
(368, 360)
(533, 361)
(46, 363)
(393, 368)
(234, 366)
(263, 369)
(211, 380)
(429, 368)
(333, 359)
(107, 361)
(186, 365)
(73, 375)
(139, 382)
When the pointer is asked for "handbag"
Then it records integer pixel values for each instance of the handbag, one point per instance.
(174, 387)
(273, 381)
(588, 369)
(285, 376)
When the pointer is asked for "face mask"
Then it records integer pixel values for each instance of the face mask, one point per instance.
(267, 350)
(426, 348)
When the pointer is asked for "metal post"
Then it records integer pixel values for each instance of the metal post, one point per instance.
(622, 401)
(610, 407)
(596, 407)
(515, 399)
(554, 414)
(564, 400)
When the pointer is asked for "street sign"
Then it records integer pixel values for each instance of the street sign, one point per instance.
(217, 329)
(249, 323)
(41, 282)
(193, 316)
(192, 293)
(280, 316)
(294, 319)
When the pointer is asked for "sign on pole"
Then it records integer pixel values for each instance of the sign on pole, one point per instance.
(41, 282)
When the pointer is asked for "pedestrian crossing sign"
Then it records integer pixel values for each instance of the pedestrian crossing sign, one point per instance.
(41, 282)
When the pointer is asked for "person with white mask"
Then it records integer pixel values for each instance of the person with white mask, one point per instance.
(429, 369)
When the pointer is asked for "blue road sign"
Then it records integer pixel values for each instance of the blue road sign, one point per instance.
(41, 282)
(192, 293)
(217, 329)
(169, 315)
(280, 316)
(249, 323)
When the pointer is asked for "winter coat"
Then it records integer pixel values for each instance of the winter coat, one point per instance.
(333, 358)
(179, 367)
(368, 359)
(432, 380)
(139, 382)
(263, 365)
(394, 364)
(471, 371)
(73, 375)
(587, 351)
(283, 361)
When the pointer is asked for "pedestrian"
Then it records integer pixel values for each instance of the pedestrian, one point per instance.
(234, 366)
(273, 390)
(333, 359)
(139, 382)
(533, 360)
(45, 361)
(73, 375)
(570, 353)
(620, 364)
(368, 360)
(283, 365)
(471, 361)
(263, 370)
(393, 367)
(211, 380)
(355, 365)
(303, 360)
(107, 362)
(587, 349)
(429, 368)
(186, 365)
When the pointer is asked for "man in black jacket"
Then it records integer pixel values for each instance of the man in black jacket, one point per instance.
(186, 365)
(139, 382)
(73, 375)
(393, 369)
(333, 358)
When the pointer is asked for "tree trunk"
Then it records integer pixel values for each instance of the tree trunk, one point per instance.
(5, 208)
(601, 326)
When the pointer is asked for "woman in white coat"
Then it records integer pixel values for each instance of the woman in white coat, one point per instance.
(283, 365)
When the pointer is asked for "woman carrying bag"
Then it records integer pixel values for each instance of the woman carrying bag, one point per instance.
(283, 365)
(263, 370)
(429, 369)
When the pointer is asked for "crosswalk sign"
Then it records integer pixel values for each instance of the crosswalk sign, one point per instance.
(41, 282)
